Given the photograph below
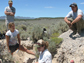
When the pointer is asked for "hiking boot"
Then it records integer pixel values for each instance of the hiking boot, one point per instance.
(74, 32)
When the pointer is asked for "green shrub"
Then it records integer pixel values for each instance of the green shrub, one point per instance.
(23, 35)
(55, 35)
(22, 27)
(36, 33)
(56, 40)
(52, 48)
(5, 55)
(37, 53)
(54, 44)
(62, 27)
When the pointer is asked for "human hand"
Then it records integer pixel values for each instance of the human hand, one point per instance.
(7, 13)
(69, 23)
(11, 14)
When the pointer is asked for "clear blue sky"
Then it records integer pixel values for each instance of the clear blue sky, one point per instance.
(41, 8)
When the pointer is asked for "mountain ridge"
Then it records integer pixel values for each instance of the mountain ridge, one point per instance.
(18, 17)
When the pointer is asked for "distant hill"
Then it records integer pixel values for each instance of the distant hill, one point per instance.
(18, 17)
(2, 17)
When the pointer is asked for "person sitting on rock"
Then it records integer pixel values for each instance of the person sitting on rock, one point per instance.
(45, 55)
(75, 19)
(13, 40)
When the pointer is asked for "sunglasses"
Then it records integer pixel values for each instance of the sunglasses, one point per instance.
(39, 46)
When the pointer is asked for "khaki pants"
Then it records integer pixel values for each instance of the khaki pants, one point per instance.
(77, 26)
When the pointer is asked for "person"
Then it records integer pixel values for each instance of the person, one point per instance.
(45, 56)
(72, 61)
(9, 12)
(13, 40)
(75, 18)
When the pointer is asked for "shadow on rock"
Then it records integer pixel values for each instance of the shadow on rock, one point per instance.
(30, 60)
(77, 35)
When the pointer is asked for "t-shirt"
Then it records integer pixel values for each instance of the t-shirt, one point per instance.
(12, 36)
(45, 57)
(73, 15)
(8, 17)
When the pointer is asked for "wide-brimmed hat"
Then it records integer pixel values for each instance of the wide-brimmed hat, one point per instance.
(73, 5)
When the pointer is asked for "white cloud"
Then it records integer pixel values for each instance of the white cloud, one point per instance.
(49, 7)
(82, 3)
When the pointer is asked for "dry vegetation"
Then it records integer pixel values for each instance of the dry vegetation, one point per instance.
(34, 29)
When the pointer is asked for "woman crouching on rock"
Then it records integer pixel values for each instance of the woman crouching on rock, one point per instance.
(45, 56)
(13, 40)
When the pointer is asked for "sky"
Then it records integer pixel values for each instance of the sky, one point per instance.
(41, 8)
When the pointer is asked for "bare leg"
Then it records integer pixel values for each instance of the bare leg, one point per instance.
(25, 50)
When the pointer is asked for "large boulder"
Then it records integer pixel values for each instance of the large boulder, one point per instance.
(72, 48)
(28, 43)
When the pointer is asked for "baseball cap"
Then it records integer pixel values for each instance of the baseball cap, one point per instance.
(39, 42)
(73, 5)
(10, 1)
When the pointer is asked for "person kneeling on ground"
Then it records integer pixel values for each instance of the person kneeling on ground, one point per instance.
(11, 37)
(75, 19)
(45, 55)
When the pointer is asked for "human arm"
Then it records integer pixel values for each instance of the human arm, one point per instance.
(18, 36)
(79, 16)
(67, 21)
(12, 13)
(69, 15)
(77, 19)
(7, 40)
(9, 13)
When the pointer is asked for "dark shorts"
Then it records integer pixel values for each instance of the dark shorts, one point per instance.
(13, 48)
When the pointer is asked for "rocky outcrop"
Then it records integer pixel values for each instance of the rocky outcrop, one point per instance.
(28, 43)
(72, 48)
(18, 56)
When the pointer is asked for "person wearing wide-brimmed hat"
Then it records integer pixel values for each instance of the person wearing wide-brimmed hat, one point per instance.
(45, 56)
(9, 12)
(75, 19)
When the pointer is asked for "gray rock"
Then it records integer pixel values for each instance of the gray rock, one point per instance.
(72, 48)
